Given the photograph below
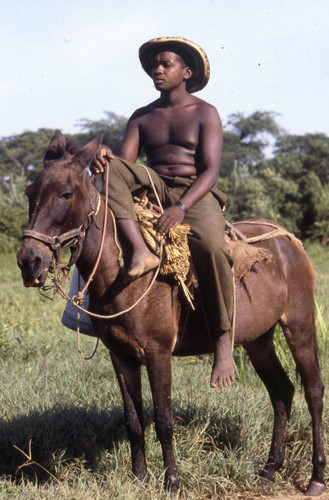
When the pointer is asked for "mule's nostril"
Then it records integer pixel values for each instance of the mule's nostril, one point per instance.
(19, 259)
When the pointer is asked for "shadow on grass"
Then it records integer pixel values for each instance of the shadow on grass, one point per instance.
(219, 432)
(72, 434)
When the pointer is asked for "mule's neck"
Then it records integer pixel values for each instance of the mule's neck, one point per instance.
(96, 241)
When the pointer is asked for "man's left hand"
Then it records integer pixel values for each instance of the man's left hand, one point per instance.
(101, 160)
(171, 218)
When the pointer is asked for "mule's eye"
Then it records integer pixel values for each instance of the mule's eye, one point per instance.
(65, 196)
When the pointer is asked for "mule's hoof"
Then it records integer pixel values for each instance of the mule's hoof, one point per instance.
(141, 475)
(265, 482)
(315, 489)
(172, 483)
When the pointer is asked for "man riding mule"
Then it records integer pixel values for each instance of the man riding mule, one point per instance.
(181, 136)
(65, 210)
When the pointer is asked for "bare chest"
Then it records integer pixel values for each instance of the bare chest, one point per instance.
(169, 128)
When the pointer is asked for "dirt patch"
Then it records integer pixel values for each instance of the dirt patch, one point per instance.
(289, 496)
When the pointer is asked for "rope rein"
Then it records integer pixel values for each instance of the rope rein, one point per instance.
(278, 231)
(64, 295)
(77, 300)
(92, 274)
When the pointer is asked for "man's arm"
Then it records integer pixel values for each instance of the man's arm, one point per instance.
(128, 149)
(130, 146)
(208, 158)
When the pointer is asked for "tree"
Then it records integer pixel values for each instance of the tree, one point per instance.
(304, 161)
(113, 126)
(13, 213)
(312, 150)
(21, 155)
(283, 197)
(290, 184)
(21, 159)
(245, 145)
(321, 224)
(249, 200)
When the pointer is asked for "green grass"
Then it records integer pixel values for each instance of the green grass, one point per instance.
(70, 412)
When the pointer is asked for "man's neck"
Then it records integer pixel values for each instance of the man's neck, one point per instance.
(174, 98)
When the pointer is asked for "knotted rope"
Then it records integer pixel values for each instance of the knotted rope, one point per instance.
(176, 253)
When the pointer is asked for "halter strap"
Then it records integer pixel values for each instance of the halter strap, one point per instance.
(53, 241)
(71, 238)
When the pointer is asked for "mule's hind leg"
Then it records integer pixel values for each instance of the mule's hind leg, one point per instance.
(281, 391)
(128, 372)
(301, 335)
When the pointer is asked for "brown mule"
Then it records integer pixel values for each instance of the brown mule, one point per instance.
(61, 200)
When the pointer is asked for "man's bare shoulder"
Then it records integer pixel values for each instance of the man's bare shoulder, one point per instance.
(207, 113)
(144, 110)
(205, 106)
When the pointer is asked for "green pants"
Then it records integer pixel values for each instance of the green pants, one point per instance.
(211, 261)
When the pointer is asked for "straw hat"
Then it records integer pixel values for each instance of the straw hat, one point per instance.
(194, 56)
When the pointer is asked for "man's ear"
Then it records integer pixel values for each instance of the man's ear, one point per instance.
(187, 73)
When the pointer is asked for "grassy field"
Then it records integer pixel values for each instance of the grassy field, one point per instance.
(62, 432)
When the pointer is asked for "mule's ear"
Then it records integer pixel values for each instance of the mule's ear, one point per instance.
(86, 155)
(56, 148)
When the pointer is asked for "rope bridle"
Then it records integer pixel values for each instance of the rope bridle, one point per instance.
(74, 240)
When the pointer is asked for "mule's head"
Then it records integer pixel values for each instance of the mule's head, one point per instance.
(59, 201)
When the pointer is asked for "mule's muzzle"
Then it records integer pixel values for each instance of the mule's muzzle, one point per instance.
(33, 266)
(32, 277)
(34, 283)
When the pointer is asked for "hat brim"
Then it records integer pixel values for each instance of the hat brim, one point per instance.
(192, 54)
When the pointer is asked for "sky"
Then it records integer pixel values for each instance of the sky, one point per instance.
(66, 60)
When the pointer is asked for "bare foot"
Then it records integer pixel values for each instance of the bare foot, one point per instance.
(222, 374)
(223, 369)
(141, 264)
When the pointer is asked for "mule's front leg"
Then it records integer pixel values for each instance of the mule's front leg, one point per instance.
(128, 372)
(159, 371)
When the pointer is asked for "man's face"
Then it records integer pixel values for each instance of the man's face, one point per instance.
(169, 71)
